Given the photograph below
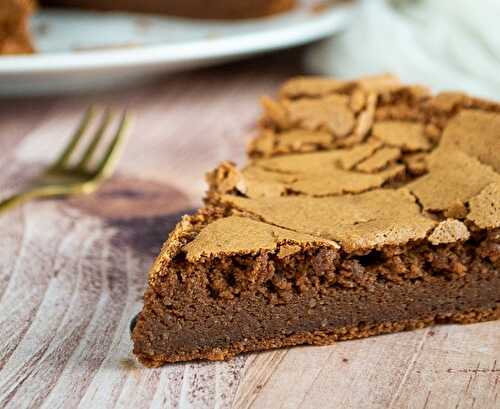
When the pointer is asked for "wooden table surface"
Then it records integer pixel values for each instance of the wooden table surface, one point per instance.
(72, 272)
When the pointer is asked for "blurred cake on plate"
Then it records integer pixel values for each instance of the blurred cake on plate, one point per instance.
(14, 14)
(206, 9)
(14, 18)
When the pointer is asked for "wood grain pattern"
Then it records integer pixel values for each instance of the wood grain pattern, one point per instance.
(72, 273)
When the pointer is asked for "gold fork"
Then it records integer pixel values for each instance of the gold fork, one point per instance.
(62, 178)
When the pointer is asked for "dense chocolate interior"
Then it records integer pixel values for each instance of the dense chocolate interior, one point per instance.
(317, 290)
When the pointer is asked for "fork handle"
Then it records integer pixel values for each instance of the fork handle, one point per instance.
(14, 201)
(23, 197)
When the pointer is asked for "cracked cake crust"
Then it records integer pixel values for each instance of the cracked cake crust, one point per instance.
(367, 207)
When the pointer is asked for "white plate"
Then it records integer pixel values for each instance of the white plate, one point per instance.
(83, 50)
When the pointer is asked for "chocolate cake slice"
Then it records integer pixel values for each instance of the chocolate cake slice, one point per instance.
(367, 207)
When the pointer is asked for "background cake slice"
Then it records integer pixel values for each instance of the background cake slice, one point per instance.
(211, 9)
(14, 14)
(14, 20)
(367, 207)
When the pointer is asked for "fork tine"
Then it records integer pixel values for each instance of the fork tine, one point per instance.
(89, 152)
(108, 162)
(62, 161)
